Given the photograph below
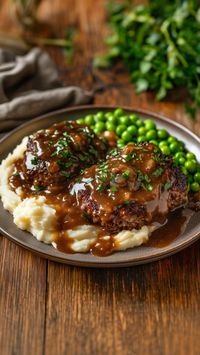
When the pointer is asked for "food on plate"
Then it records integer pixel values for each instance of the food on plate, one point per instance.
(55, 155)
(85, 186)
(133, 187)
(132, 129)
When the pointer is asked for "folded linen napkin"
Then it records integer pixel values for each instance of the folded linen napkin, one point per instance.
(29, 87)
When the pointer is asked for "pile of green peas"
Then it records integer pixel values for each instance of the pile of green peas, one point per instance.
(131, 129)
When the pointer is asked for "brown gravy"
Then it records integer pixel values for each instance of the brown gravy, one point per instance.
(160, 238)
(172, 229)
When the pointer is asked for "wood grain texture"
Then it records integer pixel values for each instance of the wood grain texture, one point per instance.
(22, 300)
(151, 309)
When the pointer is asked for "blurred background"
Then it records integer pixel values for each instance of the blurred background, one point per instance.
(73, 32)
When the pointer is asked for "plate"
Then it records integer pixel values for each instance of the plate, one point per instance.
(138, 255)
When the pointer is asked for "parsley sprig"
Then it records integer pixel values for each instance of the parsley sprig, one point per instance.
(159, 45)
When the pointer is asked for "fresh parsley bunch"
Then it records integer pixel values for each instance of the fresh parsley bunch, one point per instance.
(159, 44)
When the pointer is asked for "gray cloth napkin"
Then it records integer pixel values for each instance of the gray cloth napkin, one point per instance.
(29, 87)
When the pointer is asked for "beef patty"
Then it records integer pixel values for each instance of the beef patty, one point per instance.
(130, 188)
(55, 155)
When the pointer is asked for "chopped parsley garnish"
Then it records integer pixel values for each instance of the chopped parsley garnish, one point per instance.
(50, 143)
(100, 188)
(126, 174)
(65, 153)
(149, 187)
(158, 172)
(156, 158)
(92, 150)
(130, 156)
(38, 188)
(67, 136)
(87, 131)
(65, 174)
(143, 177)
(83, 157)
(167, 185)
(62, 142)
(112, 177)
(64, 165)
(113, 152)
(113, 189)
(34, 161)
(145, 181)
(69, 125)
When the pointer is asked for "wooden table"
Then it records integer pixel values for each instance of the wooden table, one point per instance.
(48, 308)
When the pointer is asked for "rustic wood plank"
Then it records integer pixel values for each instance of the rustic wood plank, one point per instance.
(151, 309)
(22, 300)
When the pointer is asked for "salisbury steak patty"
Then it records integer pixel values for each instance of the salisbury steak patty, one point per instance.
(55, 155)
(132, 187)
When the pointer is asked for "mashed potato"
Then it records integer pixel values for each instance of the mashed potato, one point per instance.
(34, 215)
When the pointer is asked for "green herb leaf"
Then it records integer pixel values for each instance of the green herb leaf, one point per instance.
(38, 188)
(34, 161)
(159, 46)
(158, 172)
(167, 185)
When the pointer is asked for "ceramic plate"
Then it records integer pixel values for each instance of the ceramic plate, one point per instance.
(138, 255)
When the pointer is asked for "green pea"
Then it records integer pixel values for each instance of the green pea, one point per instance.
(132, 130)
(99, 127)
(165, 150)
(141, 139)
(163, 144)
(171, 139)
(126, 136)
(162, 134)
(181, 161)
(120, 129)
(149, 124)
(124, 120)
(110, 127)
(118, 112)
(191, 166)
(99, 117)
(190, 155)
(113, 120)
(181, 145)
(152, 134)
(133, 118)
(81, 121)
(89, 119)
(173, 147)
(195, 187)
(142, 131)
(153, 142)
(184, 170)
(139, 123)
(108, 114)
(190, 179)
(197, 177)
(120, 143)
(179, 155)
